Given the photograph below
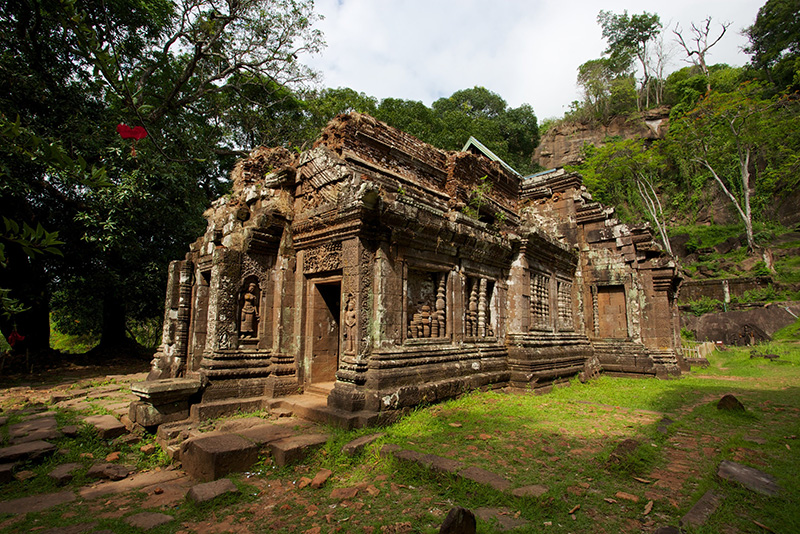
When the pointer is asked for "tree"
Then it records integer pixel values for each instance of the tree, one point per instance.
(609, 89)
(775, 42)
(699, 36)
(74, 70)
(741, 139)
(625, 173)
(629, 36)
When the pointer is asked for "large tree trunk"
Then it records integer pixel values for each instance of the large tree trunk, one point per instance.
(28, 283)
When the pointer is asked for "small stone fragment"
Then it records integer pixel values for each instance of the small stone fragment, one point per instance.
(108, 471)
(113, 457)
(148, 449)
(730, 403)
(70, 431)
(303, 482)
(148, 520)
(459, 521)
(211, 490)
(24, 475)
(320, 478)
(64, 473)
(648, 507)
(344, 493)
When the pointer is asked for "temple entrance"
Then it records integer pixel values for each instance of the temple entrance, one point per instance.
(323, 316)
(612, 312)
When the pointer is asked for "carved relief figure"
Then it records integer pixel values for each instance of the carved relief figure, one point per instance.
(350, 325)
(248, 326)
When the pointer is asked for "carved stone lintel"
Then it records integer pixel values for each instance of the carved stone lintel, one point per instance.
(327, 257)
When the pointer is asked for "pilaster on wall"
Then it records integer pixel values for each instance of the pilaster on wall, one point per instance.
(387, 326)
(222, 305)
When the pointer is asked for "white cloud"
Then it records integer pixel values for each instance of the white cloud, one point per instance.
(526, 51)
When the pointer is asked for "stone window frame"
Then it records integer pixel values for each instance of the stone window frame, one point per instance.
(559, 309)
(490, 307)
(547, 324)
(431, 269)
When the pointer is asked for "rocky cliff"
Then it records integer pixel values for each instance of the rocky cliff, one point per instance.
(563, 143)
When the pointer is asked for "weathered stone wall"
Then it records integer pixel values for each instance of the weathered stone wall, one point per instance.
(744, 326)
(722, 289)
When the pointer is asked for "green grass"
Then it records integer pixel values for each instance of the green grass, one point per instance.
(563, 440)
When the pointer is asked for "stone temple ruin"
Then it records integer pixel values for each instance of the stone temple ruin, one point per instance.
(382, 273)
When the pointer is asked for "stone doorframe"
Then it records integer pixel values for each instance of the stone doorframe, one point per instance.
(311, 301)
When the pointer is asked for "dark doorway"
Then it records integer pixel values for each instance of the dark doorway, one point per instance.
(324, 313)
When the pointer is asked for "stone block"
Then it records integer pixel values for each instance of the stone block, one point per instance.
(166, 390)
(36, 503)
(357, 445)
(209, 458)
(458, 521)
(701, 510)
(749, 477)
(265, 434)
(288, 450)
(320, 478)
(148, 520)
(211, 490)
(26, 451)
(482, 476)
(64, 473)
(107, 426)
(440, 464)
(149, 415)
(535, 490)
(6, 473)
(108, 471)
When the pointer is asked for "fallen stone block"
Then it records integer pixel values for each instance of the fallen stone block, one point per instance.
(265, 434)
(211, 457)
(702, 510)
(148, 520)
(357, 445)
(6, 473)
(749, 477)
(26, 451)
(535, 490)
(482, 476)
(729, 403)
(321, 477)
(108, 471)
(211, 490)
(64, 473)
(504, 517)
(440, 464)
(107, 426)
(344, 493)
(36, 503)
(79, 528)
(289, 450)
(459, 521)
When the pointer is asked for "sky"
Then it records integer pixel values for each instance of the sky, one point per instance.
(525, 51)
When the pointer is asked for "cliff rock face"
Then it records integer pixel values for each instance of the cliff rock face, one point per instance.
(562, 144)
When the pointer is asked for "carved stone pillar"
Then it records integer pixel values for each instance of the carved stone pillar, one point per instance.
(184, 317)
(482, 308)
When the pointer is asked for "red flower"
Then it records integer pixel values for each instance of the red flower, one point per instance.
(126, 132)
(14, 337)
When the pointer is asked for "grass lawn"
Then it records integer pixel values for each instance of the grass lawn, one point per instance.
(562, 440)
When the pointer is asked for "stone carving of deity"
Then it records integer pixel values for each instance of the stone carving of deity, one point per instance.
(350, 325)
(248, 327)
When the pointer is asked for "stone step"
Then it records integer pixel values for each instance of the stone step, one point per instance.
(30, 450)
(221, 408)
(315, 408)
(209, 457)
(321, 389)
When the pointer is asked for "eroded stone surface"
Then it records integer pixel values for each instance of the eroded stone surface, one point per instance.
(64, 472)
(107, 426)
(289, 450)
(148, 520)
(535, 490)
(211, 457)
(505, 517)
(26, 451)
(36, 503)
(702, 510)
(749, 477)
(211, 490)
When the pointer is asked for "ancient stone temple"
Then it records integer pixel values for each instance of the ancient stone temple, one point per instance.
(382, 272)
